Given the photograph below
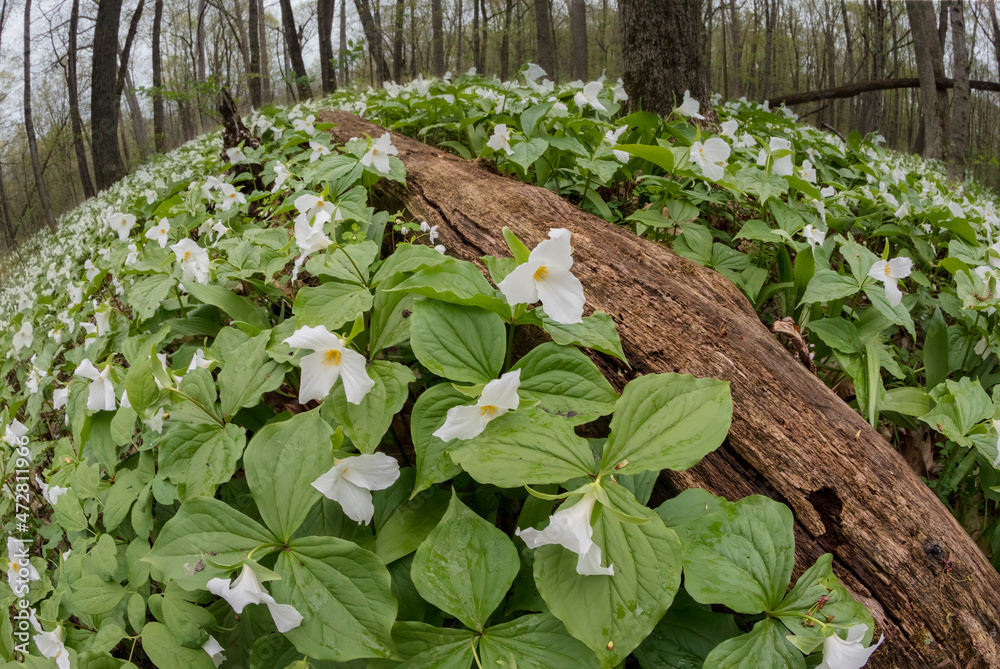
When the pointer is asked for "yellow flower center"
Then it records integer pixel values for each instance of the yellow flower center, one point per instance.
(887, 269)
(540, 273)
(332, 357)
(488, 409)
(187, 256)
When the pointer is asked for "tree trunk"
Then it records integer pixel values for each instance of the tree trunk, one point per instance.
(921, 15)
(397, 41)
(505, 43)
(579, 62)
(373, 35)
(265, 70)
(458, 50)
(737, 48)
(253, 76)
(10, 234)
(475, 36)
(483, 36)
(543, 38)
(324, 21)
(29, 126)
(960, 98)
(437, 38)
(200, 51)
(770, 12)
(295, 51)
(343, 42)
(661, 54)
(135, 114)
(850, 90)
(159, 131)
(996, 30)
(76, 122)
(895, 546)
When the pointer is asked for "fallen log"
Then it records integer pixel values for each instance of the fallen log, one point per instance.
(933, 593)
(850, 90)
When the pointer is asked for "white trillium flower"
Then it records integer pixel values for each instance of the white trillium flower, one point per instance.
(14, 433)
(50, 644)
(150, 196)
(532, 73)
(102, 391)
(547, 277)
(247, 589)
(500, 139)
(781, 166)
(24, 336)
(156, 422)
(730, 127)
(215, 651)
(281, 175)
(331, 359)
(236, 155)
(159, 233)
(689, 107)
(814, 235)
(51, 493)
(611, 137)
(230, 196)
(318, 151)
(124, 401)
(310, 205)
(199, 360)
(60, 396)
(90, 269)
(121, 223)
(620, 95)
(17, 554)
(133, 255)
(378, 154)
(850, 653)
(904, 210)
(570, 528)
(710, 156)
(589, 96)
(829, 191)
(305, 124)
(193, 259)
(468, 421)
(309, 238)
(351, 481)
(102, 317)
(890, 272)
(808, 172)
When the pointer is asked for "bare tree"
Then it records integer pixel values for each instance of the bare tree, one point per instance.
(29, 126)
(921, 15)
(437, 38)
(543, 38)
(960, 99)
(578, 27)
(10, 235)
(373, 35)
(397, 41)
(159, 131)
(328, 71)
(294, 48)
(253, 76)
(76, 121)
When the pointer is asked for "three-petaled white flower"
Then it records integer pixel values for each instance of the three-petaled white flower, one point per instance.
(305, 124)
(236, 155)
(611, 137)
(589, 96)
(331, 359)
(159, 233)
(121, 224)
(20, 569)
(194, 261)
(23, 336)
(850, 653)
(814, 235)
(14, 433)
(890, 272)
(281, 175)
(156, 422)
(808, 171)
(710, 156)
(500, 139)
(547, 277)
(51, 493)
(247, 589)
(570, 528)
(309, 237)
(214, 650)
(102, 391)
(198, 360)
(689, 107)
(318, 151)
(90, 269)
(782, 166)
(620, 95)
(50, 644)
(133, 255)
(378, 154)
(730, 127)
(230, 196)
(351, 481)
(468, 421)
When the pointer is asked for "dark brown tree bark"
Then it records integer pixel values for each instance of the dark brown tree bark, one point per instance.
(483, 36)
(895, 546)
(294, 48)
(850, 90)
(76, 122)
(737, 49)
(343, 42)
(475, 36)
(437, 39)
(960, 98)
(327, 69)
(770, 19)
(505, 41)
(579, 61)
(29, 126)
(9, 233)
(265, 70)
(397, 41)
(373, 35)
(159, 130)
(921, 15)
(661, 54)
(253, 76)
(543, 38)
(200, 51)
(459, 14)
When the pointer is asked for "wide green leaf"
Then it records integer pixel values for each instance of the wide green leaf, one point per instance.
(566, 383)
(367, 423)
(423, 646)
(764, 646)
(430, 411)
(685, 635)
(238, 307)
(457, 282)
(166, 652)
(537, 641)
(461, 343)
(249, 372)
(197, 452)
(331, 304)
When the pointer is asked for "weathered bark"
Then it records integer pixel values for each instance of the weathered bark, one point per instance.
(373, 35)
(437, 39)
(235, 133)
(29, 126)
(505, 41)
(850, 90)
(265, 69)
(327, 70)
(294, 49)
(10, 234)
(737, 50)
(662, 54)
(770, 18)
(200, 64)
(159, 120)
(933, 593)
(921, 15)
(579, 62)
(960, 98)
(459, 14)
(76, 121)
(475, 36)
(253, 76)
(343, 42)
(995, 23)
(543, 38)
(135, 115)
(397, 41)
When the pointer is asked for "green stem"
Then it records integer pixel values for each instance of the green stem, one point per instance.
(510, 347)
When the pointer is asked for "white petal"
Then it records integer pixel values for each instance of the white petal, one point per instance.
(519, 286)
(568, 527)
(354, 500)
(357, 383)
(502, 393)
(554, 251)
(717, 150)
(589, 563)
(877, 271)
(892, 292)
(374, 471)
(87, 370)
(285, 616)
(899, 268)
(315, 338)
(214, 650)
(246, 589)
(318, 377)
(463, 422)
(562, 296)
